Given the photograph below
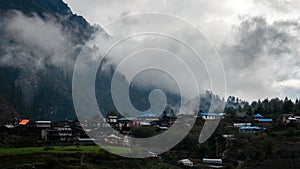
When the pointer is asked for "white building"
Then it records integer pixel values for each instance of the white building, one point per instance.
(186, 162)
(43, 124)
(212, 161)
(212, 116)
(238, 125)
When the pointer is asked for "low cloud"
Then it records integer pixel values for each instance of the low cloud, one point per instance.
(173, 61)
(290, 83)
(257, 40)
(264, 60)
(33, 42)
(281, 5)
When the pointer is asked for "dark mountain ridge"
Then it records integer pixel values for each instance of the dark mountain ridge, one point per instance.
(43, 93)
(36, 6)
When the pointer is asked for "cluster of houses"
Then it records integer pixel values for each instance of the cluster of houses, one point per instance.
(50, 132)
(64, 132)
(260, 122)
(75, 132)
(68, 131)
(124, 124)
(245, 127)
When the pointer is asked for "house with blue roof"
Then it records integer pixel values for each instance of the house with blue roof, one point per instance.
(251, 129)
(265, 120)
(148, 117)
(257, 117)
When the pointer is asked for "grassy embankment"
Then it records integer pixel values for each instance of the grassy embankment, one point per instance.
(60, 149)
(77, 157)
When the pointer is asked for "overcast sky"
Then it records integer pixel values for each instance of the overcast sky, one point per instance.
(258, 40)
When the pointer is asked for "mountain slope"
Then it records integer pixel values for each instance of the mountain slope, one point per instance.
(54, 7)
(40, 40)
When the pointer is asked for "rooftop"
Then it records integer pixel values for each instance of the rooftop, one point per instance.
(258, 116)
(126, 119)
(265, 120)
(148, 115)
(24, 122)
(251, 128)
(212, 114)
(45, 122)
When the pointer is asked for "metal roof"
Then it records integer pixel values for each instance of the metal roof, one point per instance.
(126, 119)
(251, 128)
(45, 122)
(212, 114)
(265, 120)
(258, 115)
(24, 121)
(148, 115)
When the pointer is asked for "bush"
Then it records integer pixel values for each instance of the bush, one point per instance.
(143, 132)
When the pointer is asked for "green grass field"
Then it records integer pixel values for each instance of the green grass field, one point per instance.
(61, 149)
(74, 157)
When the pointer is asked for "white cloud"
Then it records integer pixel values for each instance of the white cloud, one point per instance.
(290, 83)
(258, 40)
(31, 42)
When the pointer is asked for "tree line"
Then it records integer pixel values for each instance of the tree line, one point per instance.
(265, 107)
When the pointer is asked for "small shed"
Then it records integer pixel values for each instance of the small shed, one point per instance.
(9, 126)
(43, 124)
(186, 162)
(212, 160)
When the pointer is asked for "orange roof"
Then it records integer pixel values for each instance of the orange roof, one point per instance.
(24, 122)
